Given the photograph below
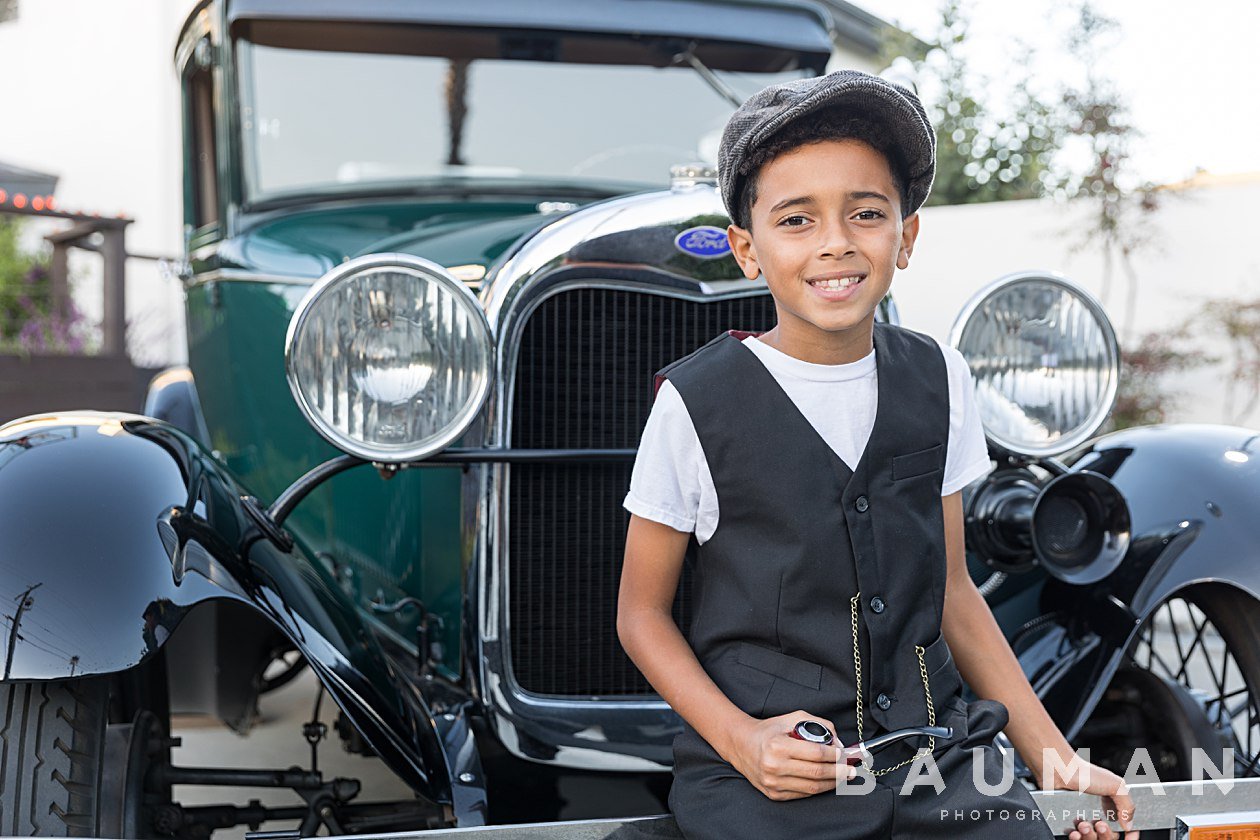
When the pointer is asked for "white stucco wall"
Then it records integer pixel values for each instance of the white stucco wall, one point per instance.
(1202, 249)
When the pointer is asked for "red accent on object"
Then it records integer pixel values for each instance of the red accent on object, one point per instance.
(50, 203)
(795, 732)
(4, 196)
(37, 203)
(19, 201)
(739, 334)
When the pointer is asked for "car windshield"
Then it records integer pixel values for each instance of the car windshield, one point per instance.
(320, 120)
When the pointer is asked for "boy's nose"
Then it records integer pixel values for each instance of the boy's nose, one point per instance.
(836, 247)
(835, 243)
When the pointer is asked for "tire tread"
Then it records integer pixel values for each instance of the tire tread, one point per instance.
(51, 749)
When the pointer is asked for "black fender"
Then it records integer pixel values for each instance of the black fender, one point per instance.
(1194, 495)
(115, 527)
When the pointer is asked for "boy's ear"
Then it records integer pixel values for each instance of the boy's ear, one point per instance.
(744, 251)
(909, 233)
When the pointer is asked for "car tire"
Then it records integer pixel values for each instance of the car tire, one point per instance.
(52, 760)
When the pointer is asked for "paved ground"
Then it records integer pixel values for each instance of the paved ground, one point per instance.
(277, 738)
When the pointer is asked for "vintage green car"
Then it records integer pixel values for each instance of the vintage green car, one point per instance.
(435, 254)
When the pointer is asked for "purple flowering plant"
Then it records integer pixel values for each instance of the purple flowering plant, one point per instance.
(31, 320)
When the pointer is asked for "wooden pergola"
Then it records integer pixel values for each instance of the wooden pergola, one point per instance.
(106, 380)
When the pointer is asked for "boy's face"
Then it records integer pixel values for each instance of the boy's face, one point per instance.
(827, 214)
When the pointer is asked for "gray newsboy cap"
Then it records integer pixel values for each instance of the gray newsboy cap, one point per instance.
(768, 111)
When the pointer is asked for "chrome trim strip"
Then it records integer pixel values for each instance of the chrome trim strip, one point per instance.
(202, 20)
(238, 275)
(206, 251)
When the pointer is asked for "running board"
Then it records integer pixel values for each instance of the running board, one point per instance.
(1059, 808)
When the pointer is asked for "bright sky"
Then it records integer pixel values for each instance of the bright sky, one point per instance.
(1190, 71)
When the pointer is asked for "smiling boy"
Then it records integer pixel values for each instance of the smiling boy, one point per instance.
(819, 467)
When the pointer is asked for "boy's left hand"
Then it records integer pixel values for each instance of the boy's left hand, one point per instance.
(1090, 778)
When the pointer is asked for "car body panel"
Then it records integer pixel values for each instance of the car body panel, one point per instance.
(382, 545)
(1192, 491)
(800, 28)
(115, 525)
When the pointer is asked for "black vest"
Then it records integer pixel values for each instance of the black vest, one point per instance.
(799, 534)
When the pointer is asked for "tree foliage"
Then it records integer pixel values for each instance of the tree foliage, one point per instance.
(31, 321)
(1068, 139)
(1023, 136)
(1142, 398)
(983, 153)
(1237, 322)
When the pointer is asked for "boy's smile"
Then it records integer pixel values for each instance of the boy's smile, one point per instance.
(826, 233)
(836, 285)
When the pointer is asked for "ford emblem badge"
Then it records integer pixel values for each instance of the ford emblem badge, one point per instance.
(706, 242)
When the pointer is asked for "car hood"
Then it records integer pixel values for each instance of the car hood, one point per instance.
(308, 243)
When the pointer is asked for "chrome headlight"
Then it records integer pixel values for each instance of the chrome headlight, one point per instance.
(1045, 361)
(389, 357)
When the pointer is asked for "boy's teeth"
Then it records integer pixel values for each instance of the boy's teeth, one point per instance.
(835, 283)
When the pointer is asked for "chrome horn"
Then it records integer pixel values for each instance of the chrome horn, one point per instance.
(1077, 526)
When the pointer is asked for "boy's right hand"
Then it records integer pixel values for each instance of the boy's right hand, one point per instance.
(783, 767)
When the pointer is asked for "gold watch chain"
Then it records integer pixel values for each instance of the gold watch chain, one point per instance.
(857, 674)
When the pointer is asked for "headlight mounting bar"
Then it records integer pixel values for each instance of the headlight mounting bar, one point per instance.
(291, 497)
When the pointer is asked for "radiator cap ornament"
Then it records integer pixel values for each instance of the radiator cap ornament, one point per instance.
(683, 176)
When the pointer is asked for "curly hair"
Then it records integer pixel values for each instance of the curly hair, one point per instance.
(833, 125)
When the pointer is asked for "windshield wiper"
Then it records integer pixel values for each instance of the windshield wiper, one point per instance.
(688, 55)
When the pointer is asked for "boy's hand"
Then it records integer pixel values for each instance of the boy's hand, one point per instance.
(1090, 778)
(783, 767)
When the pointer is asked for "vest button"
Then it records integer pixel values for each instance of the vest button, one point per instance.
(877, 604)
(861, 504)
(883, 702)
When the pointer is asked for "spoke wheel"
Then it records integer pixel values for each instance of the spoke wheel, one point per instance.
(1207, 641)
(285, 668)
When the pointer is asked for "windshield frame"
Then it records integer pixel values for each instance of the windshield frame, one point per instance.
(252, 198)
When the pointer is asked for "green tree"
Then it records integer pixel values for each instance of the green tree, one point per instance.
(1008, 141)
(983, 153)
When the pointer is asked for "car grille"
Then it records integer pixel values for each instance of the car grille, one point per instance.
(584, 378)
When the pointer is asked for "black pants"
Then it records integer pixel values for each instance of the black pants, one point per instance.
(711, 799)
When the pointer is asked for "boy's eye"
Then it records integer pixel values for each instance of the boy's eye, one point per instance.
(867, 215)
(794, 221)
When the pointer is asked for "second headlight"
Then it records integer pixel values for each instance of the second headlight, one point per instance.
(389, 357)
(1045, 362)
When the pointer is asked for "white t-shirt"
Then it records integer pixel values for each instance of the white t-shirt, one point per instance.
(671, 482)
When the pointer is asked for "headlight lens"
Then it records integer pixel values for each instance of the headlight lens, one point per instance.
(1045, 362)
(389, 357)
